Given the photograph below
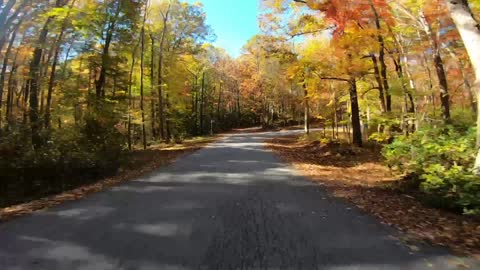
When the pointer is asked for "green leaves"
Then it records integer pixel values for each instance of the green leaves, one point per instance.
(440, 157)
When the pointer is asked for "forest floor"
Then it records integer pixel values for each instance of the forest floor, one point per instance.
(358, 175)
(140, 162)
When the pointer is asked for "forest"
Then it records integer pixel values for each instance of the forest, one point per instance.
(85, 82)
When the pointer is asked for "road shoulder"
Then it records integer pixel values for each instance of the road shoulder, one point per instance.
(358, 176)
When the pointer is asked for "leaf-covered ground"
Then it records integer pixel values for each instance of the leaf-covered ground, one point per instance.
(140, 163)
(357, 175)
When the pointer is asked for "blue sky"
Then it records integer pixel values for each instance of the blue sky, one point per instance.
(234, 22)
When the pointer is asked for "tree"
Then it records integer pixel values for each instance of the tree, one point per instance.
(469, 29)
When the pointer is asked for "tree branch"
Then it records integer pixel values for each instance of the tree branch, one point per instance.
(335, 79)
(311, 32)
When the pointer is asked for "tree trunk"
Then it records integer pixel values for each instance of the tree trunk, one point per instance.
(335, 120)
(7, 18)
(202, 103)
(412, 86)
(381, 59)
(130, 83)
(306, 108)
(356, 126)
(470, 32)
(439, 68)
(51, 83)
(26, 97)
(4, 70)
(100, 84)
(219, 101)
(152, 87)
(398, 68)
(195, 104)
(160, 73)
(442, 78)
(378, 78)
(239, 111)
(10, 92)
(466, 82)
(153, 117)
(5, 11)
(34, 84)
(142, 64)
(168, 134)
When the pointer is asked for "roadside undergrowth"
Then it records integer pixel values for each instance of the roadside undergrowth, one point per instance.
(359, 176)
(139, 162)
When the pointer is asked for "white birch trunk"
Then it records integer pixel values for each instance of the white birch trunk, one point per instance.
(469, 30)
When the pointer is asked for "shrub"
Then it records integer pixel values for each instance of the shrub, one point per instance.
(439, 159)
(69, 157)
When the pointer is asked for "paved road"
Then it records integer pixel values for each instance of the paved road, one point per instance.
(232, 205)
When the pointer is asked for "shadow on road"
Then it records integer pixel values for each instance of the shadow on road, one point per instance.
(232, 205)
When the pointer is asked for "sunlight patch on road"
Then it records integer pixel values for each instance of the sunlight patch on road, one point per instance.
(66, 255)
(81, 213)
(162, 229)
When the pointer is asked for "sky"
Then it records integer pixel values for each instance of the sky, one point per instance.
(234, 22)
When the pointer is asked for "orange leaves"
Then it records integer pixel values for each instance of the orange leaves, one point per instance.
(341, 13)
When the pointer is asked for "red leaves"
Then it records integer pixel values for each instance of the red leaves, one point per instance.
(340, 12)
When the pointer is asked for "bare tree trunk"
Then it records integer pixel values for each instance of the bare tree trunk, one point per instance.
(202, 103)
(51, 83)
(470, 32)
(195, 103)
(219, 101)
(142, 64)
(381, 59)
(4, 12)
(100, 83)
(356, 126)
(4, 70)
(412, 86)
(442, 78)
(10, 93)
(466, 83)
(168, 130)
(152, 87)
(153, 117)
(378, 78)
(34, 84)
(160, 72)
(25, 102)
(439, 68)
(335, 120)
(130, 83)
(398, 68)
(7, 18)
(239, 110)
(307, 109)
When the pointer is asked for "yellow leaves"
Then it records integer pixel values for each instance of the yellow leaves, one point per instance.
(316, 48)
(363, 87)
(293, 71)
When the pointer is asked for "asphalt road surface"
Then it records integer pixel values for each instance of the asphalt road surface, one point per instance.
(232, 205)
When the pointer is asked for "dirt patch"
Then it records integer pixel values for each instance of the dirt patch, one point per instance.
(358, 175)
(140, 163)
